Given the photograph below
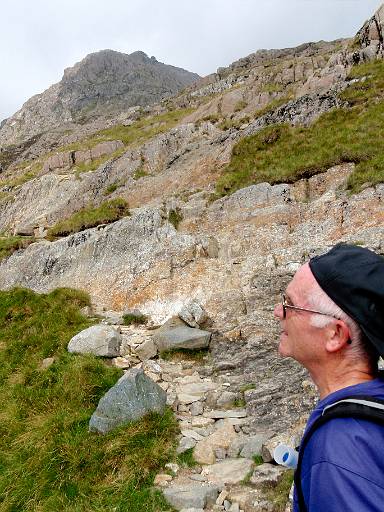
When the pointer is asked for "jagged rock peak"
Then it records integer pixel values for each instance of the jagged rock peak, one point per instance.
(104, 83)
(104, 59)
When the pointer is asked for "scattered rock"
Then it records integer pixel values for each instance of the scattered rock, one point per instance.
(196, 409)
(193, 314)
(236, 413)
(146, 350)
(162, 479)
(222, 496)
(100, 340)
(47, 362)
(267, 474)
(204, 453)
(185, 444)
(199, 421)
(252, 446)
(112, 318)
(133, 396)
(231, 471)
(192, 434)
(236, 446)
(121, 362)
(226, 399)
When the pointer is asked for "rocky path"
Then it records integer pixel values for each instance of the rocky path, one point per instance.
(228, 467)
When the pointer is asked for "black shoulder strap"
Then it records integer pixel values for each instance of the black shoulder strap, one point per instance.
(356, 406)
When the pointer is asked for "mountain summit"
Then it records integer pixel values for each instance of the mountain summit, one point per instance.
(102, 84)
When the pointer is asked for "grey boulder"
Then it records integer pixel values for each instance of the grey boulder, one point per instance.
(175, 334)
(100, 340)
(132, 397)
(191, 496)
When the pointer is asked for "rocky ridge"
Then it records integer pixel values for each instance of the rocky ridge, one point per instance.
(103, 84)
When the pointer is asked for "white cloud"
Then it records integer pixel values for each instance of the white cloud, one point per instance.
(39, 39)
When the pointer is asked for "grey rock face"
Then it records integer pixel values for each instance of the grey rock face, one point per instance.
(133, 396)
(191, 496)
(181, 337)
(100, 340)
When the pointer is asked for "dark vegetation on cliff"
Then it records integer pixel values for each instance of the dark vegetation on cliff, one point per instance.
(284, 154)
(48, 459)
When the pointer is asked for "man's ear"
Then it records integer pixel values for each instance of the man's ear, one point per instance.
(338, 336)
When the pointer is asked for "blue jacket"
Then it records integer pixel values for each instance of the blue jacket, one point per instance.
(343, 464)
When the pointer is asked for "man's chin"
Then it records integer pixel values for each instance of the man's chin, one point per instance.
(283, 348)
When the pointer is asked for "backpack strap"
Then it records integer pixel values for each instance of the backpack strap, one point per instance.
(354, 406)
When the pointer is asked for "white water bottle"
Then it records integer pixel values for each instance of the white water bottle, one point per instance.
(286, 456)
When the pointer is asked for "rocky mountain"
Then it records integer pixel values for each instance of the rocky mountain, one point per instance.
(231, 184)
(102, 84)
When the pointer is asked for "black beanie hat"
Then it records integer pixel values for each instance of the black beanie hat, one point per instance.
(353, 277)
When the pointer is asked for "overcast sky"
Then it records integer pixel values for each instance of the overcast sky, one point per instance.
(40, 38)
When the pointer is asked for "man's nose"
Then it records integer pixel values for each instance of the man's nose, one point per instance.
(278, 311)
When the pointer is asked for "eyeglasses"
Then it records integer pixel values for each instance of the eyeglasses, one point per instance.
(286, 306)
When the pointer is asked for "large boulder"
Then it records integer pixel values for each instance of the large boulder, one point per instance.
(191, 496)
(132, 397)
(100, 340)
(175, 334)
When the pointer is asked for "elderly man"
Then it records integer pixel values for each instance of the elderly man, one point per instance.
(332, 323)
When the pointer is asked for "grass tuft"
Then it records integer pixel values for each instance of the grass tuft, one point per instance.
(278, 495)
(175, 216)
(10, 244)
(49, 460)
(182, 354)
(186, 459)
(89, 217)
(131, 319)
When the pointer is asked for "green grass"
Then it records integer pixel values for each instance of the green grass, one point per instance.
(10, 244)
(130, 319)
(32, 170)
(111, 188)
(140, 173)
(258, 460)
(278, 495)
(175, 216)
(240, 105)
(94, 164)
(182, 354)
(48, 459)
(247, 387)
(90, 216)
(282, 153)
(232, 122)
(186, 459)
(239, 402)
(137, 133)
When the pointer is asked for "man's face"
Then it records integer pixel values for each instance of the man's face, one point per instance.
(299, 339)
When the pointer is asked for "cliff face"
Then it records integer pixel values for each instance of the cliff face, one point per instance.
(102, 84)
(233, 254)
